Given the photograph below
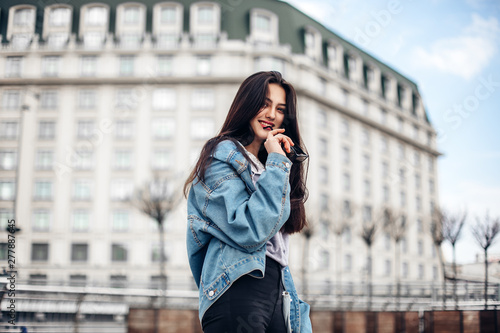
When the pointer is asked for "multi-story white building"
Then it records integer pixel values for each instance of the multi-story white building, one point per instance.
(96, 97)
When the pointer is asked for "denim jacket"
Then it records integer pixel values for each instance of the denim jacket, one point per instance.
(230, 221)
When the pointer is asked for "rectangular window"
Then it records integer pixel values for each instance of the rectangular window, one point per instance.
(5, 216)
(366, 162)
(93, 40)
(263, 23)
(431, 186)
(13, 66)
(81, 220)
(385, 169)
(388, 267)
(85, 129)
(48, 99)
(39, 252)
(126, 65)
(41, 220)
(164, 99)
(420, 248)
(345, 128)
(43, 190)
(82, 189)
(118, 253)
(165, 65)
(88, 66)
(44, 159)
(203, 99)
(46, 130)
(50, 65)
(79, 252)
(77, 280)
(163, 128)
(121, 189)
(323, 175)
(347, 182)
(8, 159)
(367, 188)
(120, 220)
(386, 193)
(7, 189)
(57, 40)
(421, 271)
(11, 100)
(8, 130)
(202, 128)
(123, 129)
(122, 159)
(162, 159)
(367, 213)
(87, 99)
(347, 263)
(126, 99)
(203, 65)
(322, 119)
(346, 155)
(323, 147)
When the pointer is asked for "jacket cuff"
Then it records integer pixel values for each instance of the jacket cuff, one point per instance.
(280, 161)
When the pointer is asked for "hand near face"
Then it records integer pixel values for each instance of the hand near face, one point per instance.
(275, 140)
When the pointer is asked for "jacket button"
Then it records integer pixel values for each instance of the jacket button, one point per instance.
(287, 164)
(211, 293)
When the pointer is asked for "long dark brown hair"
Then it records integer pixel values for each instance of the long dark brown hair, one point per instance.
(247, 103)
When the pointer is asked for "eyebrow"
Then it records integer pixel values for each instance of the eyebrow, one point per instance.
(269, 100)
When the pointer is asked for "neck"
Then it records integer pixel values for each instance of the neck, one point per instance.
(254, 147)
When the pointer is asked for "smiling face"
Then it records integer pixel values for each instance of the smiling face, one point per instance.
(271, 115)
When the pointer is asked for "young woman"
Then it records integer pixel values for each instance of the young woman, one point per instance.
(245, 198)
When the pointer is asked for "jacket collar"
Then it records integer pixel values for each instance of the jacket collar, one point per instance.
(227, 152)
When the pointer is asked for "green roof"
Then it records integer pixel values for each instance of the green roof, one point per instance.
(234, 21)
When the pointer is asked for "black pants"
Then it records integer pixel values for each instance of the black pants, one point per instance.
(250, 305)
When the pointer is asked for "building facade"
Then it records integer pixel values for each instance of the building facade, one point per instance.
(97, 97)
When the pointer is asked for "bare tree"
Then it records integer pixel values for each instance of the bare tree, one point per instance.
(340, 215)
(157, 199)
(368, 232)
(438, 238)
(395, 225)
(485, 231)
(452, 229)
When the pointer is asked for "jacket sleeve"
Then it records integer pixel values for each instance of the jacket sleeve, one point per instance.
(248, 220)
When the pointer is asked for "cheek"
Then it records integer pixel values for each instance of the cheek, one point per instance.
(279, 120)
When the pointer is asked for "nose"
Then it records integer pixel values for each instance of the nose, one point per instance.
(270, 113)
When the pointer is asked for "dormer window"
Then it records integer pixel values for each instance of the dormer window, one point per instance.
(60, 16)
(263, 26)
(205, 23)
(206, 15)
(131, 15)
(96, 16)
(312, 42)
(167, 24)
(24, 17)
(168, 15)
(262, 23)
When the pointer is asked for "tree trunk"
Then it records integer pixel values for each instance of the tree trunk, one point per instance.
(443, 268)
(163, 276)
(397, 272)
(486, 278)
(455, 296)
(370, 278)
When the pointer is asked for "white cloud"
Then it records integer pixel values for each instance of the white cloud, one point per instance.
(465, 55)
(476, 197)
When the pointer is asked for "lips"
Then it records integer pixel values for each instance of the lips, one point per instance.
(266, 125)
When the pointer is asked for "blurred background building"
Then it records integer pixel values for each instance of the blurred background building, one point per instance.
(96, 97)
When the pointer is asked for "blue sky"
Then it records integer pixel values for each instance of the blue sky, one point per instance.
(451, 49)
